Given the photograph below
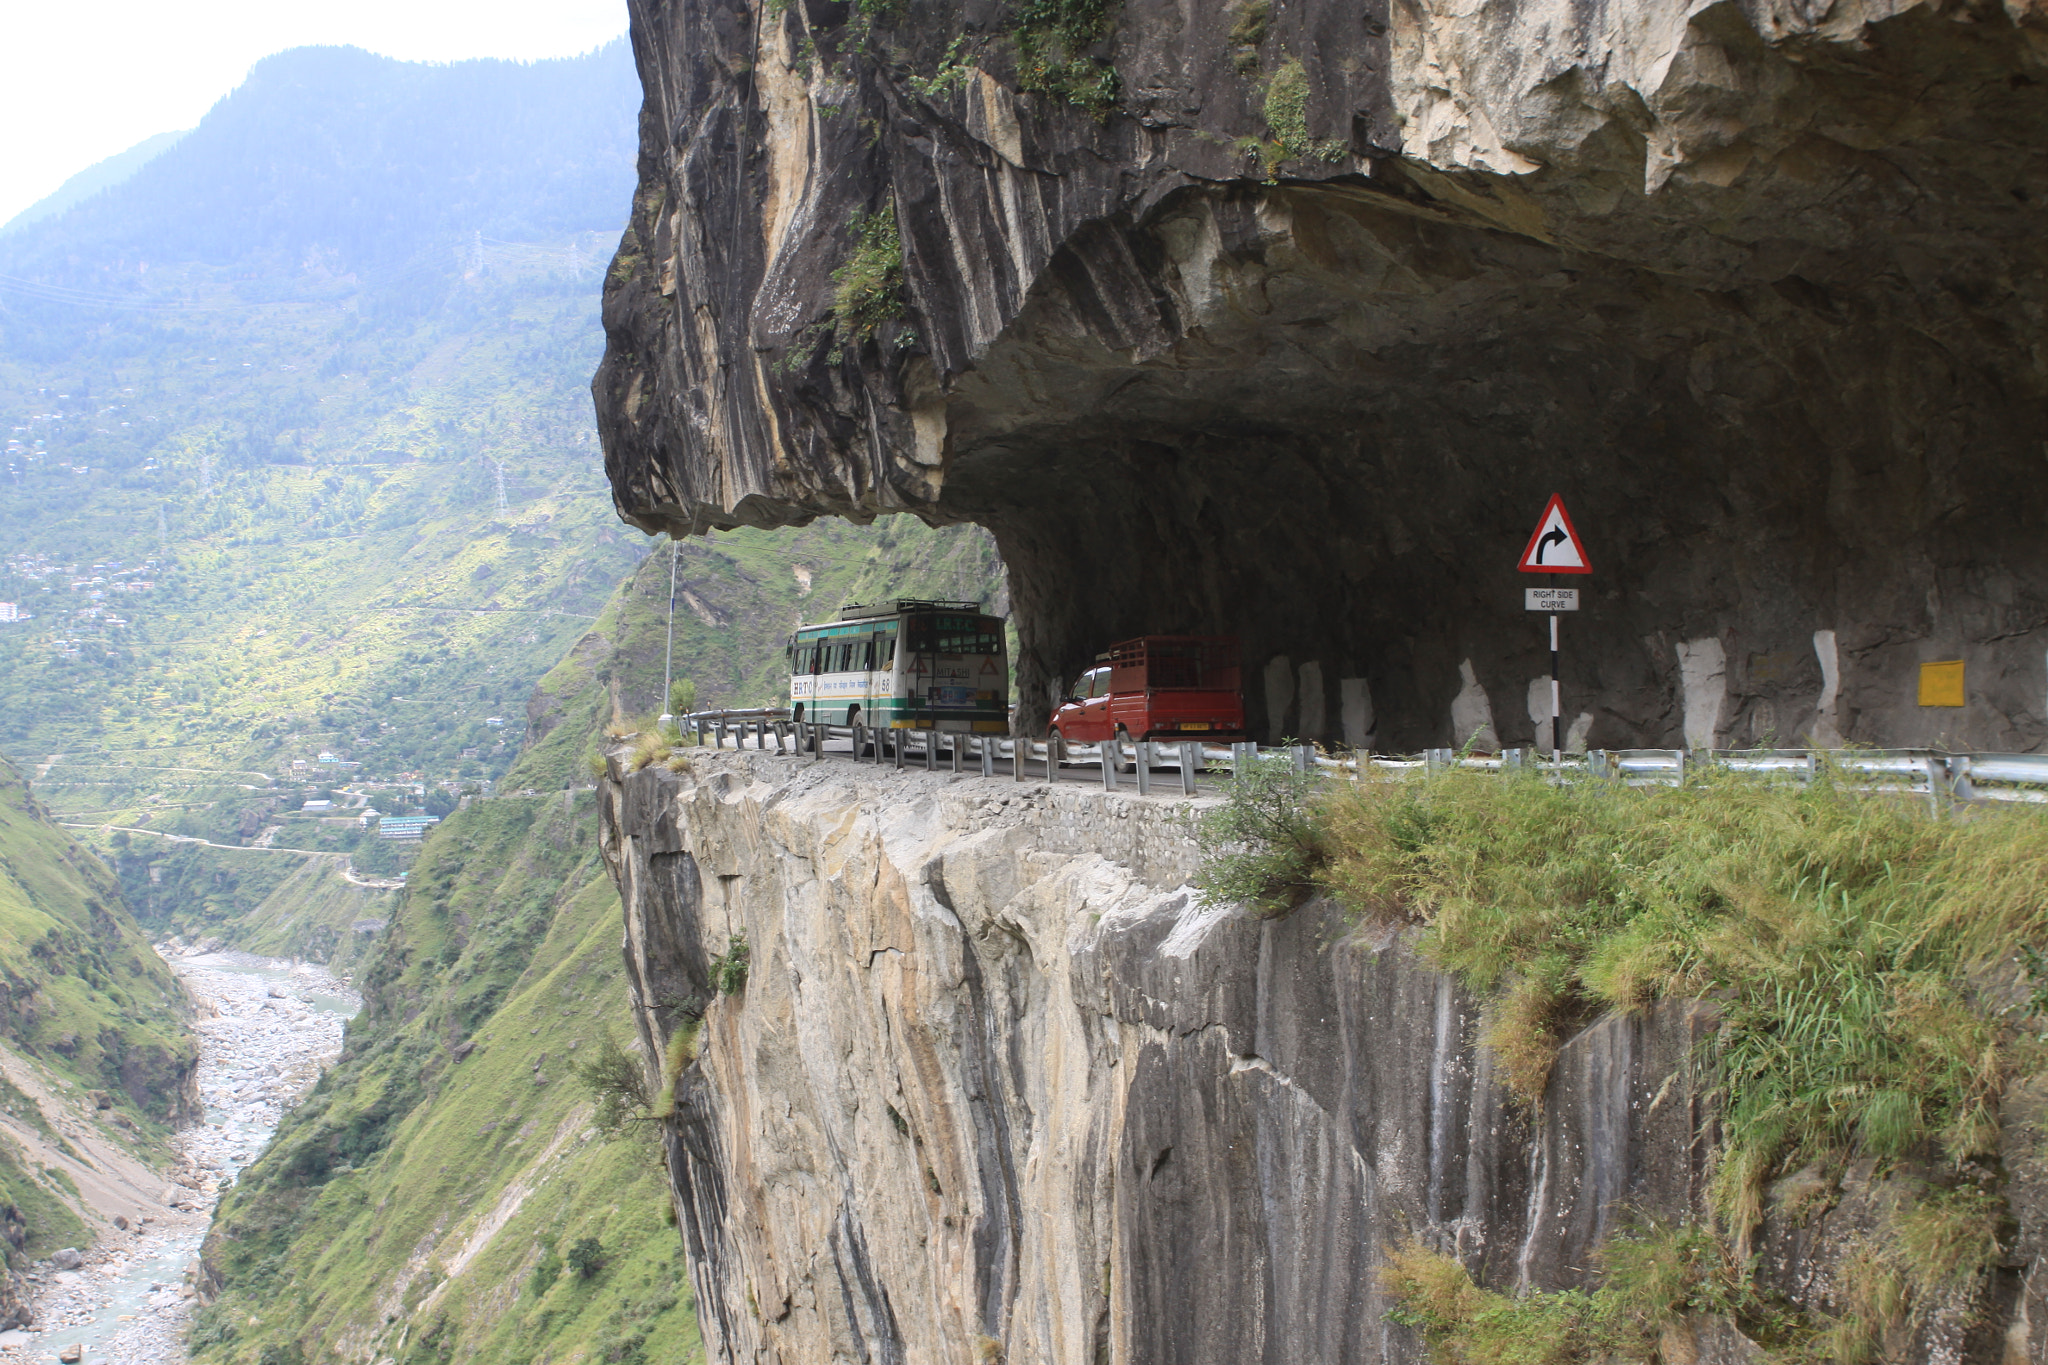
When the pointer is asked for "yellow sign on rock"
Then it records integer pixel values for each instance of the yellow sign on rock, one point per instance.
(1941, 684)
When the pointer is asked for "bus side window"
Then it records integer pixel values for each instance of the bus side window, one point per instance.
(867, 655)
(885, 652)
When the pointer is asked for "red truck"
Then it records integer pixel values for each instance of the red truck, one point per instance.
(1157, 687)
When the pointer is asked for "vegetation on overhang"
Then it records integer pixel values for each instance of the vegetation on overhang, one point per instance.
(1054, 39)
(869, 284)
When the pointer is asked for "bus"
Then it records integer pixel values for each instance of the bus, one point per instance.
(903, 665)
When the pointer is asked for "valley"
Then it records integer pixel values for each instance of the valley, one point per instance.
(296, 529)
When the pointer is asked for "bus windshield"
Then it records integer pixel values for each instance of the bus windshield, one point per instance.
(954, 635)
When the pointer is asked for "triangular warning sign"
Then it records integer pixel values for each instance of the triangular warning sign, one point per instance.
(1556, 547)
(988, 665)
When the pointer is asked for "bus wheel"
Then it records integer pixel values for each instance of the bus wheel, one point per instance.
(796, 714)
(1124, 765)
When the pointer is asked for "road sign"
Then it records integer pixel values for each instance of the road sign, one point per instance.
(1556, 547)
(1550, 599)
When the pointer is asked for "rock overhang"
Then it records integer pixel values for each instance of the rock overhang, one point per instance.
(1756, 290)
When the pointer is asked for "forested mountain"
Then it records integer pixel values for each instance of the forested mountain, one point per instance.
(335, 175)
(299, 457)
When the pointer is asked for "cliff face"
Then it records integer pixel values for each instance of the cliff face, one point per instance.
(993, 1084)
(1293, 335)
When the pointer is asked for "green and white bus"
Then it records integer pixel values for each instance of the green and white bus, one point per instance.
(903, 665)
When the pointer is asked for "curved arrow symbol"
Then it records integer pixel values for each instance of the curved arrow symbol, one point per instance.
(1556, 536)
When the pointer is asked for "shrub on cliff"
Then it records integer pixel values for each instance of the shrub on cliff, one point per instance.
(870, 283)
(617, 1083)
(1268, 841)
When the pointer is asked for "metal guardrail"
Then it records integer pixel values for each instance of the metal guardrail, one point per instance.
(1939, 777)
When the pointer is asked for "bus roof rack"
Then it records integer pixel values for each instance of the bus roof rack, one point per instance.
(903, 604)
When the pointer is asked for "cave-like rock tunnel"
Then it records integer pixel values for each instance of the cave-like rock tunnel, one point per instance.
(1758, 290)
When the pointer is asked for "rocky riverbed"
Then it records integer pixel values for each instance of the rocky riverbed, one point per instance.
(267, 1030)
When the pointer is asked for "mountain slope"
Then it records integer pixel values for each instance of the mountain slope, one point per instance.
(360, 160)
(94, 178)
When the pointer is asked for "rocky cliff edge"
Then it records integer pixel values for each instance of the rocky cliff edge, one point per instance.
(993, 1080)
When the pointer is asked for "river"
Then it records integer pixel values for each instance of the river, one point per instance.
(266, 1031)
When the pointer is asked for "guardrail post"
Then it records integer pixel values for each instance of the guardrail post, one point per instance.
(1019, 747)
(954, 745)
(1190, 760)
(1304, 757)
(1438, 760)
(896, 748)
(1938, 789)
(988, 755)
(1055, 756)
(1959, 784)
(1104, 749)
(1513, 758)
(1144, 766)
(931, 750)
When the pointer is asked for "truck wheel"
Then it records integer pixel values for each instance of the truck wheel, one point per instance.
(1124, 765)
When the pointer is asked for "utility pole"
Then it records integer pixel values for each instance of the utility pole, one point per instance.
(669, 663)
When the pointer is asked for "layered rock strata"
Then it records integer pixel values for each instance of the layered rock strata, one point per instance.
(1293, 336)
(996, 1086)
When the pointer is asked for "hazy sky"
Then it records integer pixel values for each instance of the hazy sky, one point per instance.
(86, 81)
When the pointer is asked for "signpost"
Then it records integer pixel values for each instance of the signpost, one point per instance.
(1555, 548)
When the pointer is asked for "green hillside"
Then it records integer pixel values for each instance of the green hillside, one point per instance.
(81, 992)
